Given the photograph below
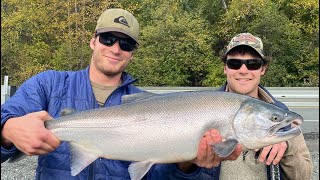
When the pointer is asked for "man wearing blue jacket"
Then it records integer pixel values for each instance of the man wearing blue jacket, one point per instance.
(244, 65)
(102, 84)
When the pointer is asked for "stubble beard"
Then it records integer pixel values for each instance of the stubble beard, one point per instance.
(110, 71)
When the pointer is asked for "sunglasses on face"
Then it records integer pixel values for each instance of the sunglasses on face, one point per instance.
(108, 39)
(251, 64)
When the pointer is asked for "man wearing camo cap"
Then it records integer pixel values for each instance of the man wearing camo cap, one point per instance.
(245, 63)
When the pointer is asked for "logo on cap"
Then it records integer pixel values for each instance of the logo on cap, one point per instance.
(248, 40)
(121, 20)
(244, 37)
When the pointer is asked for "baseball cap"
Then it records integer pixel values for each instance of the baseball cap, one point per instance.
(246, 39)
(118, 20)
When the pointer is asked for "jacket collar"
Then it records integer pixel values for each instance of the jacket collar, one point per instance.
(263, 94)
(127, 79)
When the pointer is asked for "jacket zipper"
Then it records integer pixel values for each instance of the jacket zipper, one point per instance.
(91, 171)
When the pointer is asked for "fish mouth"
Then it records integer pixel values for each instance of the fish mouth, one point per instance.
(286, 128)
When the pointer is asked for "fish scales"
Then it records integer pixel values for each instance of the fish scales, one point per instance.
(151, 124)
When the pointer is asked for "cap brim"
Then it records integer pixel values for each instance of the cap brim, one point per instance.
(103, 30)
(262, 55)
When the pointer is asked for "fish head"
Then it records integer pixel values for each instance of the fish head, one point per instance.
(258, 124)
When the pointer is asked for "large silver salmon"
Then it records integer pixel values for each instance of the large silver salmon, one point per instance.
(166, 128)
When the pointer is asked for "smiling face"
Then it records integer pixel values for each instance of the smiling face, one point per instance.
(109, 60)
(243, 81)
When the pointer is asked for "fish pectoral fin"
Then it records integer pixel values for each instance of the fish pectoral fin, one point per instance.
(67, 111)
(225, 148)
(81, 157)
(138, 169)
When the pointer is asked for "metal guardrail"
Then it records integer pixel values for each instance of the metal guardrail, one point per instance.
(291, 96)
(5, 90)
(297, 96)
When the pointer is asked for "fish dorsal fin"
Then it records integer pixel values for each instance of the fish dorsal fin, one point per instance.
(137, 97)
(138, 169)
(81, 157)
(67, 111)
(225, 148)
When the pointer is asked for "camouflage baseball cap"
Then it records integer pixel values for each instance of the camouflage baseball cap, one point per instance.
(246, 39)
(118, 20)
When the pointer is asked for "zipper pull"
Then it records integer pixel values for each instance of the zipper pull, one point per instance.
(256, 156)
(244, 154)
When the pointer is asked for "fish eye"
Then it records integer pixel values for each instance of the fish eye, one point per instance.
(274, 118)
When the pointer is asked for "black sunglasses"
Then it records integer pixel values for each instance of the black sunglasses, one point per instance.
(108, 39)
(252, 64)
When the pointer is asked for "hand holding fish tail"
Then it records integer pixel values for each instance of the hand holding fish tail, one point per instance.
(273, 153)
(29, 134)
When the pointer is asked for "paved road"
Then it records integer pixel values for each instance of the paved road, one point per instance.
(310, 116)
(25, 169)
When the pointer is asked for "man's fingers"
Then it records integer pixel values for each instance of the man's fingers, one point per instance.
(202, 150)
(36, 149)
(43, 115)
(282, 149)
(209, 151)
(264, 153)
(277, 159)
(216, 137)
(272, 154)
(52, 140)
(45, 149)
(206, 156)
(38, 152)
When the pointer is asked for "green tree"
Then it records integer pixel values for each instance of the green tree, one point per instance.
(46, 35)
(305, 15)
(181, 40)
(175, 48)
(283, 39)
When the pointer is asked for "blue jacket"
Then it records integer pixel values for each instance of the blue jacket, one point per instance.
(279, 104)
(53, 91)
